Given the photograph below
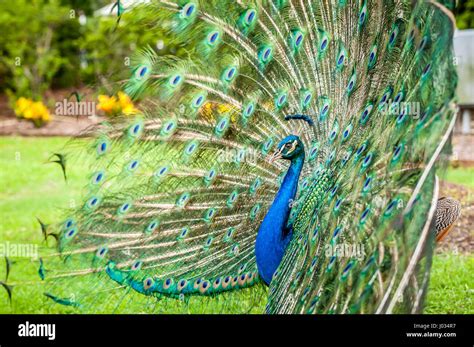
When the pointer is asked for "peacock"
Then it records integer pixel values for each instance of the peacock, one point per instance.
(293, 149)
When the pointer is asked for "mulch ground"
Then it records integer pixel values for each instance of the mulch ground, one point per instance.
(59, 126)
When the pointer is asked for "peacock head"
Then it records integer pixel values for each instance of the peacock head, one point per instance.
(289, 148)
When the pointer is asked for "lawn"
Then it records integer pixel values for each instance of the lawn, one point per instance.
(32, 188)
(460, 175)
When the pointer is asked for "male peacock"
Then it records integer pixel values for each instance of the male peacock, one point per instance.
(294, 129)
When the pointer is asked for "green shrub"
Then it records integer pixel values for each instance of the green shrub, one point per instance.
(29, 49)
(43, 46)
(109, 49)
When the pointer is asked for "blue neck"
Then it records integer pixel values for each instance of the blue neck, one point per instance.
(273, 234)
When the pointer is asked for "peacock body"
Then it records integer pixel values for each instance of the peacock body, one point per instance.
(263, 153)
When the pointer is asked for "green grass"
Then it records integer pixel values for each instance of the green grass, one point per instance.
(32, 188)
(451, 285)
(461, 175)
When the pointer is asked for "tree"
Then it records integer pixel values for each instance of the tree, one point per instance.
(464, 13)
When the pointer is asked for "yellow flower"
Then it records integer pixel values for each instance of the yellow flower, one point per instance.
(112, 105)
(224, 108)
(207, 107)
(126, 104)
(124, 99)
(39, 111)
(32, 110)
(43, 113)
(206, 111)
(28, 113)
(130, 110)
(22, 104)
(107, 103)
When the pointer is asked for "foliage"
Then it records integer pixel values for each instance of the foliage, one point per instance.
(34, 111)
(43, 45)
(464, 13)
(109, 49)
(29, 44)
(86, 7)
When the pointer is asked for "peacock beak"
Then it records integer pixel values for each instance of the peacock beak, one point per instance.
(275, 156)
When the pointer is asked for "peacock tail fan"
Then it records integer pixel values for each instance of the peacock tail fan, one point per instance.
(176, 193)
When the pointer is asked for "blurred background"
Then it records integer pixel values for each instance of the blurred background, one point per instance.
(57, 53)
